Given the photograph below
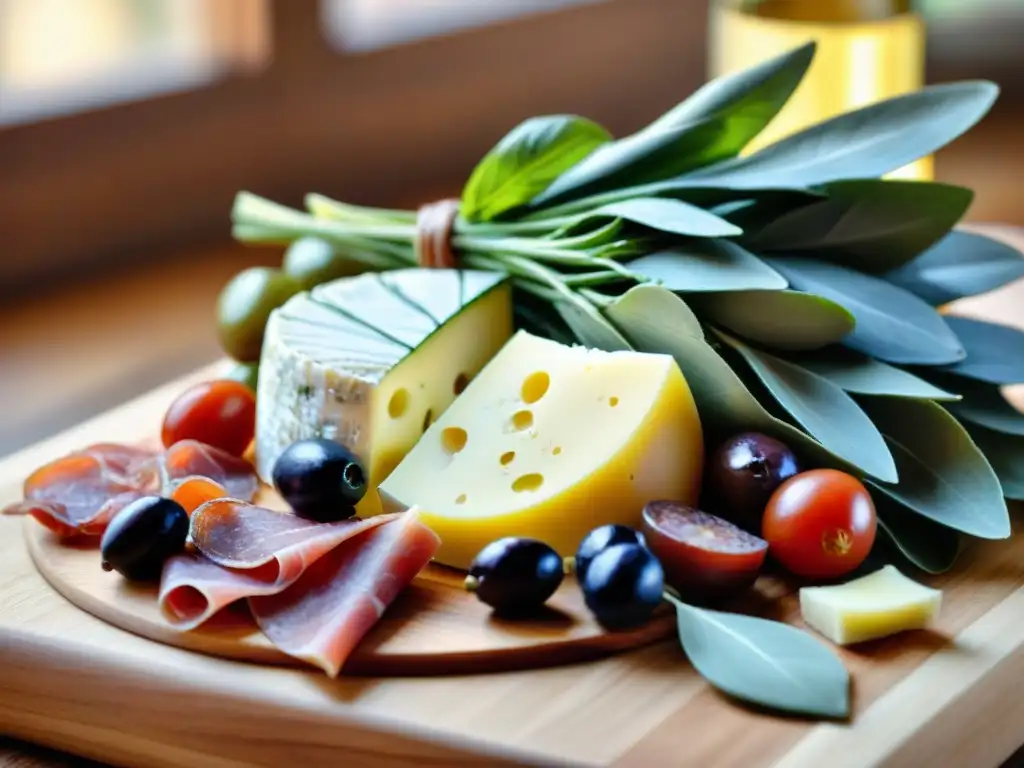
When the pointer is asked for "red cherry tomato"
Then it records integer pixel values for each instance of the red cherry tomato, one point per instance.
(219, 413)
(820, 524)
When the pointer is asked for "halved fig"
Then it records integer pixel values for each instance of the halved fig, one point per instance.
(705, 558)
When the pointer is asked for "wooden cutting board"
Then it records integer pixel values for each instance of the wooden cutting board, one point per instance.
(69, 680)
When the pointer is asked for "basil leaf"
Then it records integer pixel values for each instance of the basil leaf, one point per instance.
(892, 324)
(826, 412)
(984, 404)
(864, 375)
(790, 320)
(864, 143)
(715, 123)
(764, 662)
(707, 265)
(931, 547)
(666, 215)
(943, 474)
(526, 161)
(995, 353)
(647, 308)
(869, 224)
(1006, 455)
(960, 264)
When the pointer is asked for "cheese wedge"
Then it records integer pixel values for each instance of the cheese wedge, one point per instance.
(548, 442)
(371, 361)
(879, 604)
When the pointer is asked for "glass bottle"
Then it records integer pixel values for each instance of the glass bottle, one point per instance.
(868, 50)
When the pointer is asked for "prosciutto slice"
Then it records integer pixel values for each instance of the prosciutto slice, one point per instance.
(78, 494)
(315, 589)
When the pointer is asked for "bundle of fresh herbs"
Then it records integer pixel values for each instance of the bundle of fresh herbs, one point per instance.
(798, 290)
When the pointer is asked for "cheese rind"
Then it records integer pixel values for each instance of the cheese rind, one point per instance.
(877, 605)
(369, 361)
(549, 442)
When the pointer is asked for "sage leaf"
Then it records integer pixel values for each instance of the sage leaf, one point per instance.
(892, 324)
(864, 375)
(1006, 455)
(960, 264)
(591, 328)
(984, 404)
(723, 400)
(715, 123)
(790, 320)
(863, 143)
(673, 216)
(526, 161)
(707, 265)
(764, 662)
(995, 353)
(647, 309)
(931, 547)
(824, 410)
(943, 474)
(872, 225)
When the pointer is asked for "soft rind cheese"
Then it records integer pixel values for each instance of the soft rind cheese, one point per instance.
(877, 605)
(370, 361)
(550, 441)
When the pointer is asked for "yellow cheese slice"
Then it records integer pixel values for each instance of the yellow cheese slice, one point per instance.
(873, 606)
(550, 441)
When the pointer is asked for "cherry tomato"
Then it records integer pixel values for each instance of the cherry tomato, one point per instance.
(220, 413)
(820, 524)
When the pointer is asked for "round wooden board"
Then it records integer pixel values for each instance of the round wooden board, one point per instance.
(433, 628)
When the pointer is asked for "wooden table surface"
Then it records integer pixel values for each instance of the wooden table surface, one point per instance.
(659, 724)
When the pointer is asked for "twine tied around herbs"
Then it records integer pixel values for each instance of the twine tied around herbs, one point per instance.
(434, 222)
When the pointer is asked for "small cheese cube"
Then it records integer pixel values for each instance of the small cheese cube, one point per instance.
(550, 441)
(877, 605)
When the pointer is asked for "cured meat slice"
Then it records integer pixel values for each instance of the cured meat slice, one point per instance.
(246, 550)
(79, 493)
(322, 616)
(189, 458)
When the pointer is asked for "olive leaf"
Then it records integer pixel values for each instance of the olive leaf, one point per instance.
(943, 474)
(526, 161)
(707, 265)
(825, 411)
(764, 662)
(960, 264)
(864, 143)
(1006, 455)
(872, 225)
(892, 324)
(790, 320)
(864, 375)
(715, 123)
(673, 216)
(589, 326)
(645, 308)
(983, 404)
(931, 547)
(994, 353)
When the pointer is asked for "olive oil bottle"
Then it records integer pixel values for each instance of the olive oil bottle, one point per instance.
(868, 50)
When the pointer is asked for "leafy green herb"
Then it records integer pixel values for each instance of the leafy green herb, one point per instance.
(929, 546)
(864, 375)
(1006, 455)
(960, 264)
(644, 310)
(526, 161)
(707, 266)
(984, 405)
(994, 353)
(768, 663)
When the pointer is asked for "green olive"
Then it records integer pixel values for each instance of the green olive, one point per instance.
(244, 305)
(244, 372)
(313, 261)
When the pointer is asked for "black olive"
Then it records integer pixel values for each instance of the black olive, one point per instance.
(623, 585)
(599, 539)
(743, 474)
(515, 575)
(142, 536)
(320, 479)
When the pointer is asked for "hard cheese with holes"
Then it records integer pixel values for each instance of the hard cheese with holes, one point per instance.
(370, 361)
(550, 441)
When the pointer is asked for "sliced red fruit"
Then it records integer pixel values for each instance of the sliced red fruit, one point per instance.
(705, 558)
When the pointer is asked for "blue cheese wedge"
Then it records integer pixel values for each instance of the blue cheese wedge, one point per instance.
(873, 606)
(371, 361)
